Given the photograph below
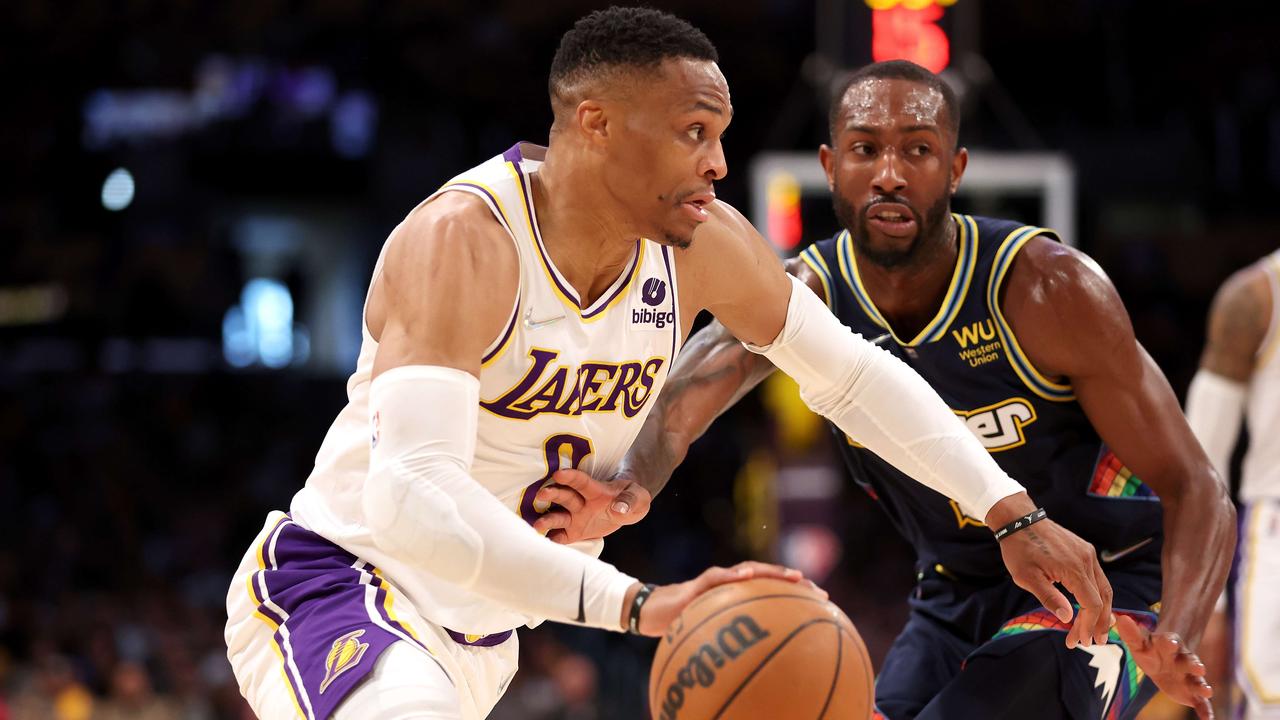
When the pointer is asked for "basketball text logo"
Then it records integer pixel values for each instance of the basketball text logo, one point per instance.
(1000, 426)
(603, 387)
(735, 638)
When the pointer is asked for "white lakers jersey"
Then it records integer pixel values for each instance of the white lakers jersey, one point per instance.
(1261, 474)
(565, 384)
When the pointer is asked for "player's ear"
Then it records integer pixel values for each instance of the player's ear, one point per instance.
(958, 163)
(826, 156)
(592, 120)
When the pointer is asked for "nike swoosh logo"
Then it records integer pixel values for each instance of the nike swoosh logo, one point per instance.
(532, 324)
(582, 606)
(1107, 556)
(881, 340)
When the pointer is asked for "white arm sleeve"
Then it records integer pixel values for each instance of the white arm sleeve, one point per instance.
(883, 404)
(1215, 408)
(421, 503)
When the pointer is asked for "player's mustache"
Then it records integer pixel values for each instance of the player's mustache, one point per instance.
(896, 199)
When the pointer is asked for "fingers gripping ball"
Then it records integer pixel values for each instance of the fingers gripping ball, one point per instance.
(761, 648)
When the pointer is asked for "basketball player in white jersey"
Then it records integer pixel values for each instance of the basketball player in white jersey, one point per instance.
(520, 321)
(1239, 378)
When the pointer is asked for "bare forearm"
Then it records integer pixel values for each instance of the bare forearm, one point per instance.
(1200, 537)
(712, 374)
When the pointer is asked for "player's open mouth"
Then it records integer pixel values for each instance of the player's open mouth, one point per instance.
(892, 219)
(695, 206)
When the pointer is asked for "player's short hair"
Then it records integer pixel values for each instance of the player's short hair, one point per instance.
(622, 38)
(896, 70)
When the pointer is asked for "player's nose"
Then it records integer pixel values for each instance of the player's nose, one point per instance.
(888, 178)
(713, 166)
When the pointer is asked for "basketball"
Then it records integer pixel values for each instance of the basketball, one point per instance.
(761, 648)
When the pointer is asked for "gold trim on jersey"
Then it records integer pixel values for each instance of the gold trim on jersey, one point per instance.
(966, 260)
(963, 519)
(261, 556)
(469, 185)
(388, 600)
(616, 291)
(496, 353)
(1030, 376)
(811, 257)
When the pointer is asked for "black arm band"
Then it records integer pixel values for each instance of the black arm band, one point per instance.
(1021, 523)
(633, 618)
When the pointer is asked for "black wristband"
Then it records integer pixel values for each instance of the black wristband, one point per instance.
(633, 617)
(1021, 523)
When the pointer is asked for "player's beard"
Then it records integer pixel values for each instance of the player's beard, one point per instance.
(676, 241)
(930, 227)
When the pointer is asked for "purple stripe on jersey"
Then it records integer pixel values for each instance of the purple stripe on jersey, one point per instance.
(299, 692)
(334, 639)
(675, 305)
(481, 641)
(492, 200)
(512, 155)
(380, 602)
(511, 326)
(635, 268)
(263, 608)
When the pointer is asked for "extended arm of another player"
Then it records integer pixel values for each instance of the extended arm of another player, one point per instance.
(871, 395)
(420, 501)
(864, 390)
(712, 373)
(1071, 323)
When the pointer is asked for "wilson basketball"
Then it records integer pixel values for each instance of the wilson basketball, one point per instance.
(761, 648)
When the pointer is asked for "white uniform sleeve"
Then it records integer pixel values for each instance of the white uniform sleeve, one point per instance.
(884, 405)
(1215, 409)
(421, 504)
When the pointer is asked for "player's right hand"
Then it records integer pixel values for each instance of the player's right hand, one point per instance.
(667, 601)
(1047, 553)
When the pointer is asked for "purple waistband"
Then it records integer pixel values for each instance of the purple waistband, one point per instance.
(479, 640)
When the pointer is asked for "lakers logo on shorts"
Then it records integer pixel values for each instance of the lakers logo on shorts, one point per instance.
(346, 653)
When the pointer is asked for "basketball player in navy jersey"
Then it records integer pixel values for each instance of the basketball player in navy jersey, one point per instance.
(522, 319)
(1027, 340)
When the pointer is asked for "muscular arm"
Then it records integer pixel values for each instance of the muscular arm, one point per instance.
(714, 371)
(1071, 323)
(1238, 323)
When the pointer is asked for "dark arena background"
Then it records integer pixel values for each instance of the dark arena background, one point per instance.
(194, 194)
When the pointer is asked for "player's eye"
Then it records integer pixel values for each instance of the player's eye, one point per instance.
(920, 150)
(863, 149)
(695, 132)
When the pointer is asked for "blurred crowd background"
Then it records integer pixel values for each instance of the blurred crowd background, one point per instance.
(194, 194)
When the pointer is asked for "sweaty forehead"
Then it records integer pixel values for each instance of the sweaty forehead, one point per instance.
(886, 103)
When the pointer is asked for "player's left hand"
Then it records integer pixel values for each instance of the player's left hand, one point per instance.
(1170, 665)
(585, 508)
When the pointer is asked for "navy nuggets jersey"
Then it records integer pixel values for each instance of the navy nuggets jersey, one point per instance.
(1031, 425)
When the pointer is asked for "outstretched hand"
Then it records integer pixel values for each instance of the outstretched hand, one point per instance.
(1170, 665)
(584, 508)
